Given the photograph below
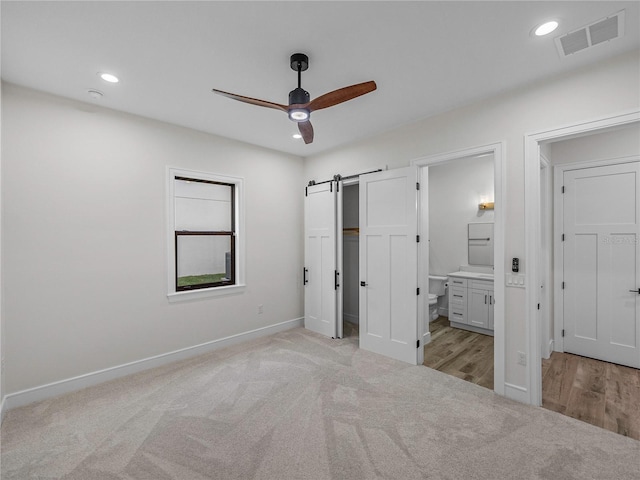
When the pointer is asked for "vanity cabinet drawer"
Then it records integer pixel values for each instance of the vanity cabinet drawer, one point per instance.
(458, 313)
(457, 282)
(481, 284)
(458, 296)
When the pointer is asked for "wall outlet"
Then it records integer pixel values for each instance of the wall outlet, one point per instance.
(260, 309)
(522, 359)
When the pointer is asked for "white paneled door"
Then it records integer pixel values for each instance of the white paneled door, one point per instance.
(320, 271)
(601, 291)
(389, 263)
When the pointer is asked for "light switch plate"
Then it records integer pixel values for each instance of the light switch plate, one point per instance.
(515, 280)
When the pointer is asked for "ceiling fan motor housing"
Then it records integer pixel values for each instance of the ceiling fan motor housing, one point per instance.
(298, 96)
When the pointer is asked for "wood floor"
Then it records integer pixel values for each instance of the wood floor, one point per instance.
(466, 355)
(596, 392)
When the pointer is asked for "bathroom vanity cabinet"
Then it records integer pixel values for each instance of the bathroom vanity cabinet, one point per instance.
(471, 301)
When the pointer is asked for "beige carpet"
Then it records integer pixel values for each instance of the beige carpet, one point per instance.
(299, 406)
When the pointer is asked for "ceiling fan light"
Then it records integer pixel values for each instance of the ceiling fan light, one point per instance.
(299, 114)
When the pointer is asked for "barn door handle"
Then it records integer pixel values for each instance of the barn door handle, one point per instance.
(635, 291)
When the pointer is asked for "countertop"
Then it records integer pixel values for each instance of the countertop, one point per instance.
(472, 275)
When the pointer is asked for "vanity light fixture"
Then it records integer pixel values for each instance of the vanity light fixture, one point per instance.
(486, 206)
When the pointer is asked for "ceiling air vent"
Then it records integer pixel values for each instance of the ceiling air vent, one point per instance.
(598, 32)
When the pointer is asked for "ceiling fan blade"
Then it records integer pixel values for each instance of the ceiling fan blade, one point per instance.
(341, 95)
(306, 130)
(252, 101)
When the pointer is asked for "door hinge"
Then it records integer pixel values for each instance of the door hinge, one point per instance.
(417, 185)
(417, 291)
(336, 276)
(562, 285)
(563, 189)
(330, 187)
(306, 191)
(563, 237)
(538, 306)
(563, 332)
(418, 238)
(418, 344)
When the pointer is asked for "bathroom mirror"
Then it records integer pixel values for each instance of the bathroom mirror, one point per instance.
(480, 241)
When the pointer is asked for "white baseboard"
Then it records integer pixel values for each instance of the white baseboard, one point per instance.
(516, 392)
(68, 385)
(426, 338)
(443, 311)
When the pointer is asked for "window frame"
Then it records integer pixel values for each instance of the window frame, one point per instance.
(237, 237)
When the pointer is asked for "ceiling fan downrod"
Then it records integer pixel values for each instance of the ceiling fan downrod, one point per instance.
(299, 63)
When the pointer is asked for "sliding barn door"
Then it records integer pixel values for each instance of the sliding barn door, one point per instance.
(389, 263)
(320, 252)
(601, 287)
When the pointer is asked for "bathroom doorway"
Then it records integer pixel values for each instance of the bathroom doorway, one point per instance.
(460, 220)
(465, 197)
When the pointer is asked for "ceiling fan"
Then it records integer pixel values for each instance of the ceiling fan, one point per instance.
(300, 106)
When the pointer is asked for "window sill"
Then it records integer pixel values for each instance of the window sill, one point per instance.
(205, 293)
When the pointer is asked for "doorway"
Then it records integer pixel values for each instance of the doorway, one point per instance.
(350, 260)
(496, 297)
(387, 261)
(459, 305)
(536, 144)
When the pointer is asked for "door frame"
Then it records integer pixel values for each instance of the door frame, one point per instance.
(498, 150)
(547, 293)
(532, 142)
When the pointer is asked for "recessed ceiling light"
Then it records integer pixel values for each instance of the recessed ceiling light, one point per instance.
(297, 135)
(109, 77)
(95, 94)
(546, 28)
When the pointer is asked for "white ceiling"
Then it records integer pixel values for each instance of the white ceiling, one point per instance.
(426, 57)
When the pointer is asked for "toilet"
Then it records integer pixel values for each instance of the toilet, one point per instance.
(437, 288)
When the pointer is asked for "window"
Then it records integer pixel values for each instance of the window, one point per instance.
(204, 222)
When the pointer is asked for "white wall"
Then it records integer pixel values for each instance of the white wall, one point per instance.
(610, 87)
(455, 189)
(84, 241)
(621, 142)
